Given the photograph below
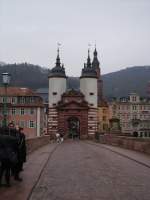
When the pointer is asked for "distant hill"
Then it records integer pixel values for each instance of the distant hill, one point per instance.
(123, 82)
(120, 83)
(2, 63)
(26, 75)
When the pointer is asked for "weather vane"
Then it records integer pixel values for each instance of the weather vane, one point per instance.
(95, 44)
(58, 45)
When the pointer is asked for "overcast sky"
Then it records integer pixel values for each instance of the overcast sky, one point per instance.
(30, 30)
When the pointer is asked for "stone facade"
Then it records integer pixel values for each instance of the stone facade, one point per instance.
(103, 117)
(133, 113)
(73, 106)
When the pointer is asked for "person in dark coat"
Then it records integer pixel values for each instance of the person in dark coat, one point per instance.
(15, 169)
(8, 154)
(21, 153)
(22, 148)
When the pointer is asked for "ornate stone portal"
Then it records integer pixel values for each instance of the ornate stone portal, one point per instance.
(73, 115)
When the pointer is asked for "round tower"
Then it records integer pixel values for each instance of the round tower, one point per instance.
(57, 86)
(88, 86)
(88, 83)
(57, 82)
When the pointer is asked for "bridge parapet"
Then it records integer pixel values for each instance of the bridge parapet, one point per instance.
(137, 144)
(36, 142)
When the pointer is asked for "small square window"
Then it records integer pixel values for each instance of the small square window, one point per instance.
(32, 111)
(13, 100)
(91, 93)
(54, 93)
(22, 111)
(13, 111)
(31, 124)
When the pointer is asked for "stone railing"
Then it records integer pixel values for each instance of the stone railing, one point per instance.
(37, 142)
(137, 144)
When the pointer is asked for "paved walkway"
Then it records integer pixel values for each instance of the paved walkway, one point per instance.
(77, 170)
(32, 169)
(81, 171)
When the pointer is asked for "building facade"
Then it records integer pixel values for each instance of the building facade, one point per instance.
(103, 117)
(24, 108)
(74, 112)
(133, 113)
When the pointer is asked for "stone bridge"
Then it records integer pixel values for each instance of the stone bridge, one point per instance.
(83, 170)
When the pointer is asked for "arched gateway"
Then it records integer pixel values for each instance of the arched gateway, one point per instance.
(73, 127)
(73, 115)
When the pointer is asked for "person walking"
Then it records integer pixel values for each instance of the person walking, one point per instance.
(57, 137)
(61, 137)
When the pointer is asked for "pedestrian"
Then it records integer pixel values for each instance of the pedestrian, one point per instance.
(22, 149)
(21, 153)
(8, 155)
(61, 137)
(15, 168)
(57, 137)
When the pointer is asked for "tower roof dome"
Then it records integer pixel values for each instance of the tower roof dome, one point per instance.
(58, 70)
(88, 70)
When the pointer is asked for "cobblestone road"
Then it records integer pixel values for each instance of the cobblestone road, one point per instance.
(80, 171)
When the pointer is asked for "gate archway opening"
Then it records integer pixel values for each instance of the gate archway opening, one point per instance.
(73, 127)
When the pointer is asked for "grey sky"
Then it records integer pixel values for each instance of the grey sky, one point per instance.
(30, 30)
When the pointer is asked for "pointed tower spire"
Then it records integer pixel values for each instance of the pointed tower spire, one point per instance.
(58, 70)
(58, 58)
(95, 62)
(88, 59)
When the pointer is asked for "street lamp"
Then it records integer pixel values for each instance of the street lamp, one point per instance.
(6, 81)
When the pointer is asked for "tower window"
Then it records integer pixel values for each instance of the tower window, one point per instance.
(54, 104)
(91, 104)
(54, 93)
(91, 93)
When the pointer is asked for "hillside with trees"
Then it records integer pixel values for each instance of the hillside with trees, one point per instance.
(26, 75)
(123, 82)
(120, 83)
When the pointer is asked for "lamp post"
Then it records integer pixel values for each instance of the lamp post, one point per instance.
(6, 81)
